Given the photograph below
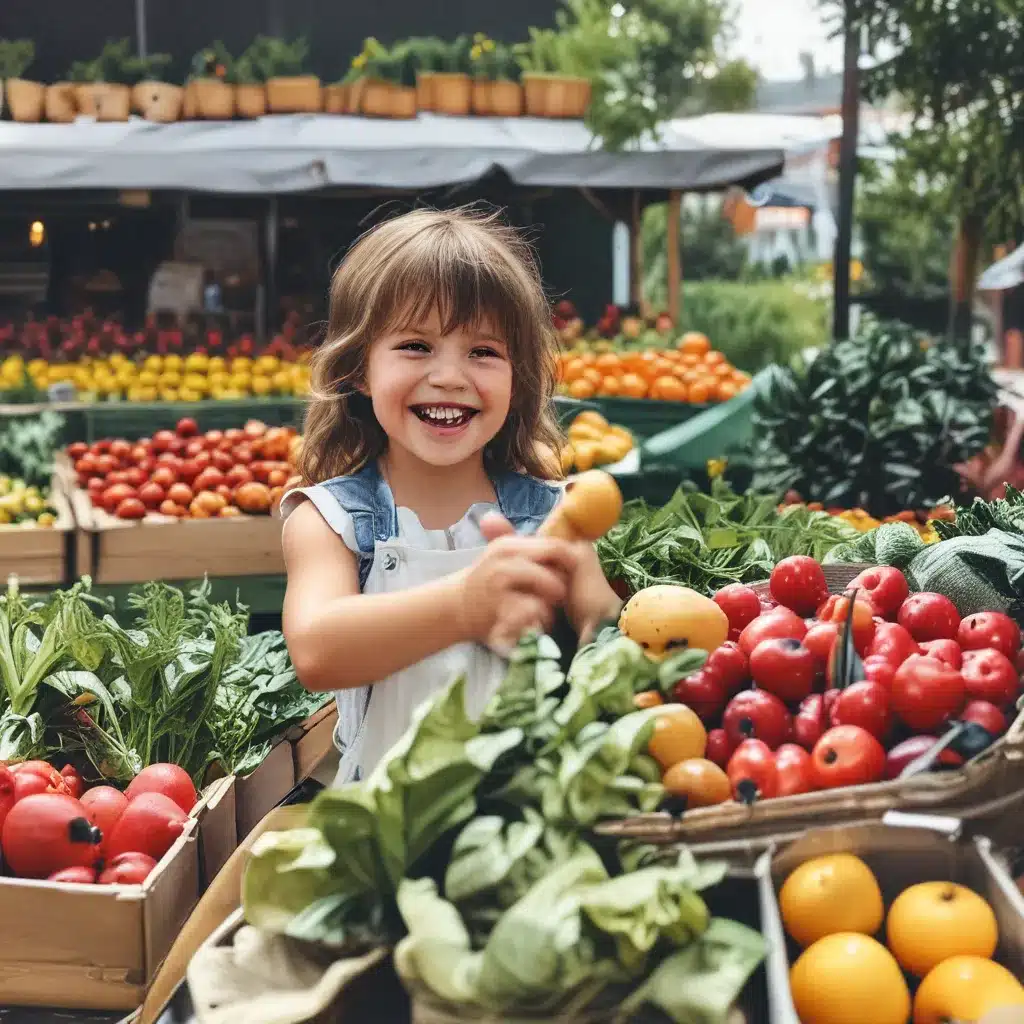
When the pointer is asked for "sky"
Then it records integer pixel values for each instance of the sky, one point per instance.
(772, 33)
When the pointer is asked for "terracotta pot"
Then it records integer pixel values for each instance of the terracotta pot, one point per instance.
(189, 107)
(354, 99)
(113, 102)
(425, 89)
(214, 99)
(60, 103)
(579, 97)
(25, 100)
(250, 100)
(336, 99)
(403, 101)
(506, 99)
(158, 101)
(555, 95)
(375, 99)
(482, 91)
(453, 94)
(299, 94)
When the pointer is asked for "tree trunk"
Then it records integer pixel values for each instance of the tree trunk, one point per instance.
(964, 277)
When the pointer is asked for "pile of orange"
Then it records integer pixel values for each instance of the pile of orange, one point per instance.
(691, 372)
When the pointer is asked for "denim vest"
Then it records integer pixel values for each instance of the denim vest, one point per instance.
(523, 500)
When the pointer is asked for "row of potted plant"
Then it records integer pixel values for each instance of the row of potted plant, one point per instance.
(544, 77)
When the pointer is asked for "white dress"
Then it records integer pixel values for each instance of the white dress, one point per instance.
(415, 556)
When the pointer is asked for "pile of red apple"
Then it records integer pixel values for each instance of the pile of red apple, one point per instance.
(185, 474)
(781, 724)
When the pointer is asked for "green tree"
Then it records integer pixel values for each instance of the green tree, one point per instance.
(959, 68)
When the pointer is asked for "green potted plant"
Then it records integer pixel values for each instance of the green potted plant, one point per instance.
(251, 78)
(390, 89)
(496, 88)
(553, 82)
(210, 89)
(429, 55)
(103, 85)
(25, 99)
(452, 86)
(289, 89)
(153, 96)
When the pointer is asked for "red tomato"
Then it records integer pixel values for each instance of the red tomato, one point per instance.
(113, 496)
(879, 670)
(189, 470)
(149, 824)
(187, 427)
(30, 784)
(73, 780)
(795, 770)
(222, 461)
(76, 450)
(946, 651)
(127, 869)
(985, 714)
(757, 714)
(101, 446)
(798, 582)
(910, 750)
(104, 805)
(864, 704)
(784, 667)
(730, 664)
(121, 450)
(719, 747)
(892, 642)
(164, 441)
(810, 721)
(164, 475)
(703, 693)
(740, 604)
(171, 460)
(106, 464)
(836, 609)
(990, 675)
(194, 447)
(169, 779)
(238, 475)
(989, 629)
(752, 772)
(925, 692)
(928, 616)
(819, 640)
(130, 508)
(47, 832)
(234, 435)
(136, 476)
(885, 587)
(8, 792)
(776, 624)
(243, 456)
(180, 494)
(213, 438)
(208, 480)
(151, 495)
(76, 875)
(141, 451)
(847, 756)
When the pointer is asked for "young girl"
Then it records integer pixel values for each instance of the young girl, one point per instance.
(429, 435)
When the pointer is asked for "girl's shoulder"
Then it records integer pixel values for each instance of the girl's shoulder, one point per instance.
(348, 504)
(523, 497)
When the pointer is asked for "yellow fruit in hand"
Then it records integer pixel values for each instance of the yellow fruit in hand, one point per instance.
(849, 978)
(835, 893)
(932, 921)
(966, 988)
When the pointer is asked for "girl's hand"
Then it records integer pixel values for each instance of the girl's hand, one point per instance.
(515, 585)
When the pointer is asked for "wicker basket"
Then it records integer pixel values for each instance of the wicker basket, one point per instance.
(995, 775)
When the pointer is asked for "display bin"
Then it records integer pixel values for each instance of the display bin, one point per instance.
(901, 851)
(93, 947)
(40, 555)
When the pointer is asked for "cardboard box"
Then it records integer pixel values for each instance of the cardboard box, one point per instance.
(263, 789)
(94, 947)
(40, 554)
(313, 740)
(113, 550)
(218, 830)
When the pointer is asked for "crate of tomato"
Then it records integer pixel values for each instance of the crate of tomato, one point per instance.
(829, 695)
(180, 504)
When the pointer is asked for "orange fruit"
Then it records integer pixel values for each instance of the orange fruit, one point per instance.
(608, 363)
(594, 375)
(669, 389)
(700, 391)
(648, 699)
(689, 359)
(932, 921)
(694, 343)
(632, 361)
(713, 358)
(726, 389)
(966, 988)
(848, 978)
(678, 735)
(610, 386)
(834, 893)
(702, 782)
(722, 370)
(589, 358)
(573, 369)
(633, 385)
(582, 388)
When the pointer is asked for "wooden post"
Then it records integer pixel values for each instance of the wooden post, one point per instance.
(636, 256)
(675, 270)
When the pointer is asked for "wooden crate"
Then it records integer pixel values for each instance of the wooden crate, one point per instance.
(94, 947)
(39, 554)
(112, 550)
(312, 740)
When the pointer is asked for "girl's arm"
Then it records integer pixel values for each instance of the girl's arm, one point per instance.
(339, 638)
(591, 600)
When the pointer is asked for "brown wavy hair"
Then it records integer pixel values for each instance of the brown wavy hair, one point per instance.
(467, 265)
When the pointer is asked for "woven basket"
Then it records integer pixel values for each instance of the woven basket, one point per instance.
(992, 779)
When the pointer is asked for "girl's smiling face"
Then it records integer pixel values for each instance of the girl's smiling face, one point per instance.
(441, 397)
